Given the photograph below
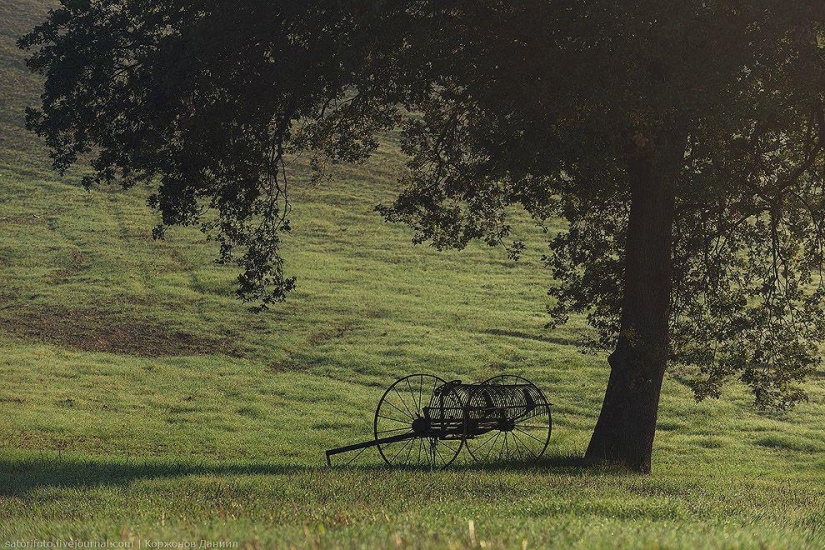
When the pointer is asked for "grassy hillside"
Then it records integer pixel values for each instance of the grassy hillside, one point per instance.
(141, 401)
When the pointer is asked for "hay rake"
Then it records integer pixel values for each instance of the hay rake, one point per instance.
(422, 420)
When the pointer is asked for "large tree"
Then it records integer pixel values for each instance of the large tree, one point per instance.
(682, 142)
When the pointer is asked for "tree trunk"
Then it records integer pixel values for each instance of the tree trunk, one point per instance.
(624, 432)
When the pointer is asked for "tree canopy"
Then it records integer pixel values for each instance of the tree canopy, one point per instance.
(682, 142)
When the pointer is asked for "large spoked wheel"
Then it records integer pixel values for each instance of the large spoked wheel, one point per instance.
(400, 413)
(522, 435)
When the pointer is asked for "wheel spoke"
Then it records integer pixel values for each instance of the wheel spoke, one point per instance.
(401, 446)
(405, 422)
(487, 441)
(412, 396)
(394, 430)
(436, 453)
(420, 393)
(520, 445)
(410, 451)
(411, 415)
(503, 446)
(493, 446)
(517, 441)
(529, 435)
(391, 404)
(517, 450)
(446, 443)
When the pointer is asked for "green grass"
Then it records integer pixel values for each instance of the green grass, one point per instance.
(141, 401)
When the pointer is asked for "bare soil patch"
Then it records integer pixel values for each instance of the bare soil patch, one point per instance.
(100, 331)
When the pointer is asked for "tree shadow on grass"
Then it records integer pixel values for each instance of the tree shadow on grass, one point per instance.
(19, 476)
(562, 464)
(547, 339)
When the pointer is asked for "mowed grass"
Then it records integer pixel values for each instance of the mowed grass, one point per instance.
(140, 401)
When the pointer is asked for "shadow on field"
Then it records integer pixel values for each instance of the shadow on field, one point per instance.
(21, 476)
(563, 341)
(553, 464)
(18, 477)
(96, 330)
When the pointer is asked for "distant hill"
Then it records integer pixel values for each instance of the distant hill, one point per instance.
(18, 86)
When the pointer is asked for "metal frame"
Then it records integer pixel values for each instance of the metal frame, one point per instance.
(421, 420)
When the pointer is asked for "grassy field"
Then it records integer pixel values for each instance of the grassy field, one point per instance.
(141, 403)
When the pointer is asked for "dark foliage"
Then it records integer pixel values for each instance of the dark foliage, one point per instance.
(534, 103)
